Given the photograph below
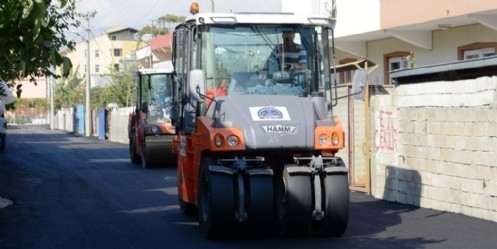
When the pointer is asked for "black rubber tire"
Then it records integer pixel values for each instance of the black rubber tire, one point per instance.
(133, 156)
(293, 204)
(260, 205)
(216, 204)
(337, 201)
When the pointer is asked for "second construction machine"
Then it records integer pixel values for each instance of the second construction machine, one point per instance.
(150, 131)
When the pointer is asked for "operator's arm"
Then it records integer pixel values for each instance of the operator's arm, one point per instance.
(271, 65)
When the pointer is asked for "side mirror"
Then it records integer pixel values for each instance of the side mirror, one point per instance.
(359, 83)
(196, 84)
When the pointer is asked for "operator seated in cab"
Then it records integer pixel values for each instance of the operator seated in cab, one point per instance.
(287, 62)
(161, 103)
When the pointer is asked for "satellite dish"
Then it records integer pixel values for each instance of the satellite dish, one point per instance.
(359, 83)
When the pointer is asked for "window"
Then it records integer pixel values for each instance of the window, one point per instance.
(479, 53)
(117, 52)
(488, 52)
(116, 67)
(97, 53)
(113, 37)
(394, 61)
(97, 68)
(476, 50)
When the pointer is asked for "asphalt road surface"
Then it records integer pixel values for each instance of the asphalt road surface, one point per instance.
(78, 192)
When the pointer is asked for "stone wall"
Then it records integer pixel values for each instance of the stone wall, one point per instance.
(435, 146)
(118, 124)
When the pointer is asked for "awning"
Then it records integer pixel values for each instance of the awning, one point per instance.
(362, 64)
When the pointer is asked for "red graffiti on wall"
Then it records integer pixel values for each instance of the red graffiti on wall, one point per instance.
(385, 135)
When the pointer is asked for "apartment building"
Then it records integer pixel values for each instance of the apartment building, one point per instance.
(107, 54)
(402, 34)
(157, 54)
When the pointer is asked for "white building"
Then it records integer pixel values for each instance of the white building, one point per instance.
(107, 54)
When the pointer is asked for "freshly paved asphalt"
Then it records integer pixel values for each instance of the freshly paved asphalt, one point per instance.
(78, 192)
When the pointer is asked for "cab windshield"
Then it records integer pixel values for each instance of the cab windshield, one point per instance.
(158, 95)
(264, 60)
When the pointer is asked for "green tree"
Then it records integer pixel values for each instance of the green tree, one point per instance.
(123, 87)
(69, 91)
(32, 33)
(120, 91)
(170, 19)
(160, 27)
(154, 31)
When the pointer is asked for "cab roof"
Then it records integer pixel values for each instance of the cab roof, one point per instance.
(258, 18)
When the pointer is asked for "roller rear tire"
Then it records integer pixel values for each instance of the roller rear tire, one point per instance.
(337, 194)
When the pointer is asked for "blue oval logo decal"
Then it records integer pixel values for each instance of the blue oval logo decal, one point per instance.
(269, 113)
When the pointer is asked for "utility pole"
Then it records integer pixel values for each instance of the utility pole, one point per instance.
(211, 6)
(51, 84)
(88, 119)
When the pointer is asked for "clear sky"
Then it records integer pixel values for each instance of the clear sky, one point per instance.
(138, 13)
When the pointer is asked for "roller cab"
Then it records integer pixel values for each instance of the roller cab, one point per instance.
(150, 131)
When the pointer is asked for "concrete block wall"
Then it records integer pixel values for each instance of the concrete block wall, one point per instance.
(118, 124)
(445, 154)
(64, 119)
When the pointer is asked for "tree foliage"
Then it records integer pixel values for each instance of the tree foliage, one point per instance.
(170, 19)
(32, 33)
(120, 91)
(40, 104)
(154, 31)
(69, 91)
(162, 25)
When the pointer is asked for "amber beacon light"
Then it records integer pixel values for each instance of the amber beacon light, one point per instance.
(194, 8)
